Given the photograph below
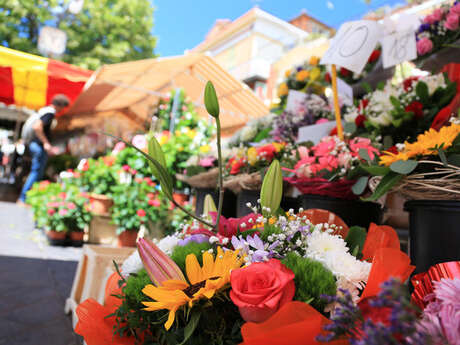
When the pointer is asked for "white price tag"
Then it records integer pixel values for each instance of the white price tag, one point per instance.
(399, 47)
(345, 92)
(296, 102)
(315, 133)
(353, 44)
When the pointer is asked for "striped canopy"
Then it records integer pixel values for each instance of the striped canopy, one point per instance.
(31, 81)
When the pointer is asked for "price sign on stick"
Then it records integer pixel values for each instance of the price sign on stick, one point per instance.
(399, 47)
(353, 44)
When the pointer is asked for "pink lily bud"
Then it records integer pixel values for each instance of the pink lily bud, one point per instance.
(159, 266)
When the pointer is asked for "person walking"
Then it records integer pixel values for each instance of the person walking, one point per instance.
(39, 145)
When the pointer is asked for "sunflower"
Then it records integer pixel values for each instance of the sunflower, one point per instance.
(204, 283)
(427, 144)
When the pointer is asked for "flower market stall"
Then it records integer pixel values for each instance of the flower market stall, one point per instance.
(301, 252)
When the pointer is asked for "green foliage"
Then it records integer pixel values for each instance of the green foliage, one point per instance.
(388, 181)
(312, 280)
(134, 285)
(403, 167)
(269, 230)
(97, 175)
(133, 159)
(180, 252)
(355, 240)
(103, 32)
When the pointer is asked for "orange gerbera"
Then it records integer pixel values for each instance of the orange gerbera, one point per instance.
(204, 283)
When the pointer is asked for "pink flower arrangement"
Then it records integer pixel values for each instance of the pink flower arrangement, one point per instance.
(451, 22)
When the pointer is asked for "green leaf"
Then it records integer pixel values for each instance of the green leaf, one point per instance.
(387, 182)
(191, 325)
(355, 239)
(350, 127)
(263, 134)
(155, 152)
(442, 156)
(381, 85)
(421, 90)
(360, 186)
(271, 191)
(395, 102)
(366, 86)
(363, 153)
(210, 100)
(403, 167)
(376, 170)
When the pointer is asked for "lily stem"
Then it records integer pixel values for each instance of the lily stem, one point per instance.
(191, 214)
(220, 178)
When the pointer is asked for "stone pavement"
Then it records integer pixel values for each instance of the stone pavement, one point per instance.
(36, 280)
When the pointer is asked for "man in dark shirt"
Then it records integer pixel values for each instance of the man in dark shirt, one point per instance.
(39, 146)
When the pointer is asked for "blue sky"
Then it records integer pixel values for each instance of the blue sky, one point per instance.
(182, 24)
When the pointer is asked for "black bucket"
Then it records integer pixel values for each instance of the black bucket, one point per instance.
(353, 212)
(434, 236)
(228, 207)
(252, 196)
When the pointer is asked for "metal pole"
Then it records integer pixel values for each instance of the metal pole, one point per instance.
(175, 105)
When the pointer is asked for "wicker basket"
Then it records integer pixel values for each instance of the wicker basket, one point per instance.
(241, 182)
(207, 179)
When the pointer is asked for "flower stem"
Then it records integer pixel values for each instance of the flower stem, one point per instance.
(191, 214)
(220, 178)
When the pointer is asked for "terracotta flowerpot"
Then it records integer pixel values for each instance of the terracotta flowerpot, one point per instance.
(77, 238)
(127, 238)
(56, 238)
(100, 204)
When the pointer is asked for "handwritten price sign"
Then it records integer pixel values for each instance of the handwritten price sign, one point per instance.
(399, 47)
(353, 44)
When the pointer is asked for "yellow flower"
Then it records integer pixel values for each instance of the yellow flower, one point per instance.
(252, 155)
(163, 139)
(278, 146)
(205, 148)
(204, 283)
(315, 73)
(287, 73)
(302, 75)
(427, 144)
(191, 133)
(283, 90)
(314, 60)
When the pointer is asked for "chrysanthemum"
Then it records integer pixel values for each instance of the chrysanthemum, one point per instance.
(204, 283)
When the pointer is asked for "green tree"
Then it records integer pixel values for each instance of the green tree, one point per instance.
(105, 31)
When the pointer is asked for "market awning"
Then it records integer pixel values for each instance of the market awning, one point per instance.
(133, 89)
(31, 81)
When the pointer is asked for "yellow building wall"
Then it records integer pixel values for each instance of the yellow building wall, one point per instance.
(236, 54)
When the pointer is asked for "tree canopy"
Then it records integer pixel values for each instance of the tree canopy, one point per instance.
(105, 31)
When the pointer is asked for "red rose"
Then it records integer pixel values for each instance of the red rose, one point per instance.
(407, 83)
(333, 131)
(364, 103)
(374, 56)
(393, 150)
(266, 151)
(236, 166)
(261, 289)
(327, 77)
(416, 108)
(141, 213)
(51, 211)
(359, 121)
(344, 72)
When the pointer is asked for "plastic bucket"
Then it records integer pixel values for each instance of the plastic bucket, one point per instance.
(434, 234)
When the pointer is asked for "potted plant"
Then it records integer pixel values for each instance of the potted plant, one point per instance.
(96, 176)
(136, 205)
(327, 175)
(427, 173)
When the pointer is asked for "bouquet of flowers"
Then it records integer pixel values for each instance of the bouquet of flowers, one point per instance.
(309, 78)
(439, 29)
(255, 131)
(313, 110)
(332, 167)
(425, 169)
(396, 113)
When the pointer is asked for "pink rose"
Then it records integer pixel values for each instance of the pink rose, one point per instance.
(437, 14)
(357, 144)
(154, 202)
(328, 163)
(261, 289)
(71, 206)
(424, 46)
(429, 19)
(207, 162)
(455, 9)
(324, 147)
(451, 22)
(141, 213)
(51, 211)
